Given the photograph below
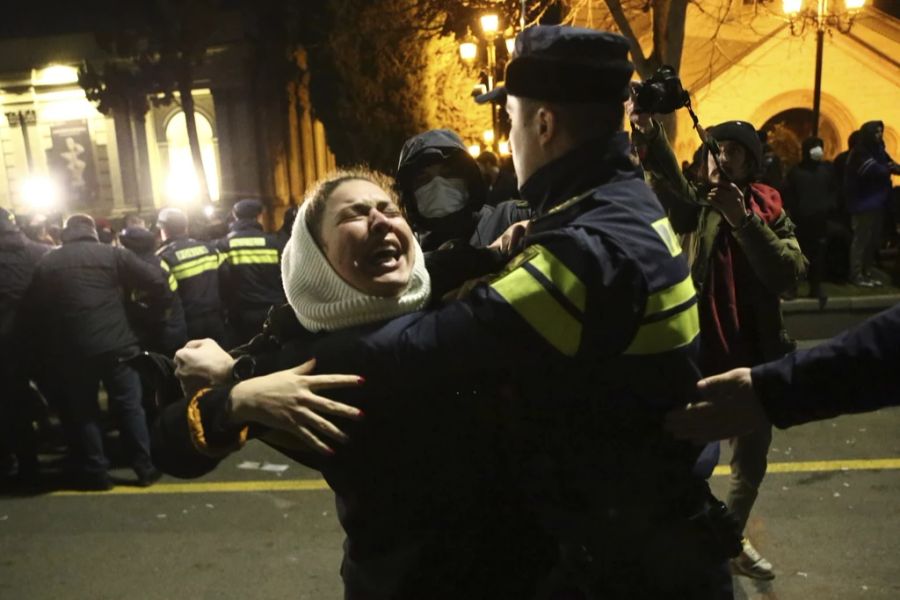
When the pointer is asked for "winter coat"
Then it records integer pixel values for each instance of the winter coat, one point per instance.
(811, 187)
(77, 303)
(867, 182)
(19, 257)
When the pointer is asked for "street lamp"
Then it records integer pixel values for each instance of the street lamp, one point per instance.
(824, 15)
(469, 52)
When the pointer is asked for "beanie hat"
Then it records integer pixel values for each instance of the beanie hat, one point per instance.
(323, 301)
(744, 134)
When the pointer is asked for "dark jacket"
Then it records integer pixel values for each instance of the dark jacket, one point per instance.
(19, 257)
(855, 372)
(421, 490)
(78, 309)
(867, 181)
(811, 187)
(164, 333)
(772, 251)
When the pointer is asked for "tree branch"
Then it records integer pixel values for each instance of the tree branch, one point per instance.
(637, 53)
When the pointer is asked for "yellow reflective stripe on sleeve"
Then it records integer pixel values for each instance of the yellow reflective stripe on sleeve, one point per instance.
(267, 256)
(669, 298)
(542, 309)
(173, 283)
(664, 230)
(565, 280)
(247, 242)
(195, 267)
(666, 334)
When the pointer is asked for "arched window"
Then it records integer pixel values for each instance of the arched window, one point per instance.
(181, 181)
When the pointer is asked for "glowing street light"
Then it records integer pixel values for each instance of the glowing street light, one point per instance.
(468, 51)
(503, 148)
(823, 17)
(490, 24)
(488, 136)
(474, 150)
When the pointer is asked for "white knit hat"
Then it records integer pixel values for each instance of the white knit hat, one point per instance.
(323, 301)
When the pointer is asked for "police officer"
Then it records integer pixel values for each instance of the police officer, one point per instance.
(194, 266)
(164, 333)
(250, 272)
(595, 321)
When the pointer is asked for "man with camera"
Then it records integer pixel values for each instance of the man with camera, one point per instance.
(744, 256)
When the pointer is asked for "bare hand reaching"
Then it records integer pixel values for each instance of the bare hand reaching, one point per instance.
(202, 363)
(728, 407)
(287, 401)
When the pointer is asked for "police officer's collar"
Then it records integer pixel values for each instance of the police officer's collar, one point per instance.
(246, 224)
(586, 166)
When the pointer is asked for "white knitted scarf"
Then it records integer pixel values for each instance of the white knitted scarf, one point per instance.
(323, 301)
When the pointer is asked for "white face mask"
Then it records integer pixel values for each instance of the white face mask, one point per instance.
(816, 153)
(441, 197)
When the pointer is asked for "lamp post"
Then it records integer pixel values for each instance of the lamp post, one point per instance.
(824, 16)
(469, 52)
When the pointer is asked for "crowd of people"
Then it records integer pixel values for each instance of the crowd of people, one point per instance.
(498, 371)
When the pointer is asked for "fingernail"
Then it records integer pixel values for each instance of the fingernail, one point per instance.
(329, 451)
(362, 414)
(361, 380)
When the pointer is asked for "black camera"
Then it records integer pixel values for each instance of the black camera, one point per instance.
(660, 94)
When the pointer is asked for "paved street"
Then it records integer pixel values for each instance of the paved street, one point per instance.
(251, 533)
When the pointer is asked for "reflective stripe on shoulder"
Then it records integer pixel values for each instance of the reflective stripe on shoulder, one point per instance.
(670, 320)
(247, 242)
(194, 267)
(547, 295)
(261, 256)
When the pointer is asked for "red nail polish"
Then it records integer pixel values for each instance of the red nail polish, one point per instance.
(361, 380)
(329, 451)
(362, 414)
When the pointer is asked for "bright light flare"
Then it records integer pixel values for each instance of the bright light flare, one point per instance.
(488, 136)
(468, 51)
(792, 7)
(40, 193)
(510, 45)
(474, 150)
(503, 147)
(490, 24)
(209, 210)
(182, 187)
(854, 4)
(54, 75)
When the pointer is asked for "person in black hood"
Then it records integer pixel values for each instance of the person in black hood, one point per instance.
(18, 258)
(77, 311)
(443, 193)
(810, 196)
(165, 333)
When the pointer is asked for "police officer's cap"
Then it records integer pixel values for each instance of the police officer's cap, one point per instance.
(173, 217)
(566, 64)
(248, 208)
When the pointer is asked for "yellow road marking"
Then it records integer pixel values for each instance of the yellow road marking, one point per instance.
(876, 464)
(304, 485)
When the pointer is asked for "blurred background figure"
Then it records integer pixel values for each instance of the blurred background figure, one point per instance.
(77, 319)
(249, 271)
(163, 333)
(867, 185)
(809, 197)
(19, 257)
(194, 265)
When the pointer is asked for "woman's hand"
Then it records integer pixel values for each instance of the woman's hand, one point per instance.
(201, 363)
(286, 401)
(729, 200)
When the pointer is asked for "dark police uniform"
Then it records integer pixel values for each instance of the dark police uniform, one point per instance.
(194, 265)
(250, 272)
